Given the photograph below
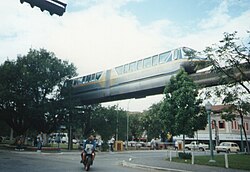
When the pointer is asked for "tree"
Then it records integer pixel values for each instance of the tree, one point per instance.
(180, 107)
(151, 121)
(231, 60)
(29, 86)
(135, 125)
(109, 120)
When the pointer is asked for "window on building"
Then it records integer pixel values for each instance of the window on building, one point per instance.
(221, 124)
(246, 126)
(213, 124)
(235, 125)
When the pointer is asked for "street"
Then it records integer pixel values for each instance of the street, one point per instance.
(12, 161)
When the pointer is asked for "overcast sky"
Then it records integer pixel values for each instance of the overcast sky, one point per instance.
(100, 34)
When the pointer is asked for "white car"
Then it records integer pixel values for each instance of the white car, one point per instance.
(227, 147)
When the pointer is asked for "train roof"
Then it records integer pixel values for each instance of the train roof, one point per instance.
(166, 56)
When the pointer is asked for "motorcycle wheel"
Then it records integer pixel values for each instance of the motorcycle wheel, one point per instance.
(88, 163)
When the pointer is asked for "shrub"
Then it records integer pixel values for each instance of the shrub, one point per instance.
(183, 155)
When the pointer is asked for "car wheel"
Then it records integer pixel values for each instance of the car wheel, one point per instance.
(218, 151)
(201, 149)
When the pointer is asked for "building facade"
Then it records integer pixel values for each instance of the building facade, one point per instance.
(223, 130)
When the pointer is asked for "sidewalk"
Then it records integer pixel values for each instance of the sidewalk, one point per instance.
(164, 165)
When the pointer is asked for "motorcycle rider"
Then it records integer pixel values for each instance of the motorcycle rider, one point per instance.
(90, 140)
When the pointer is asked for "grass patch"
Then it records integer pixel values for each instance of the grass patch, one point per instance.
(235, 161)
(62, 145)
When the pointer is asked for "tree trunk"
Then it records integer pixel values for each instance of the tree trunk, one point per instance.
(245, 134)
(184, 143)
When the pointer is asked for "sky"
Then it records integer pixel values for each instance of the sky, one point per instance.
(96, 35)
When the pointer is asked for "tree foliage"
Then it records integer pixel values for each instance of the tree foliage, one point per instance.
(136, 125)
(29, 90)
(231, 60)
(152, 121)
(180, 107)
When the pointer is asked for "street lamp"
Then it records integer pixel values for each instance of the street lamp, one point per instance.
(117, 122)
(241, 139)
(208, 107)
(127, 124)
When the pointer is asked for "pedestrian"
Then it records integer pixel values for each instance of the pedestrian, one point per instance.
(176, 145)
(19, 143)
(153, 144)
(99, 143)
(39, 142)
(163, 138)
(111, 143)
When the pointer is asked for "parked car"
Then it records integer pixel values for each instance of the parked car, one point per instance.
(196, 146)
(227, 147)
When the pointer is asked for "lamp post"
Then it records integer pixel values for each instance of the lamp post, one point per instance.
(127, 124)
(208, 107)
(117, 123)
(241, 139)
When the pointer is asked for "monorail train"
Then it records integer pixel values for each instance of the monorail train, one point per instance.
(137, 79)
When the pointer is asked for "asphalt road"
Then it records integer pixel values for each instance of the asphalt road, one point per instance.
(12, 161)
(127, 161)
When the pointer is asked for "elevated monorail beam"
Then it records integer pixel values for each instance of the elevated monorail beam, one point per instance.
(211, 78)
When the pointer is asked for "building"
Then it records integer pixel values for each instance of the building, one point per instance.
(222, 130)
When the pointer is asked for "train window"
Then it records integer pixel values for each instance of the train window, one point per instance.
(93, 77)
(119, 70)
(147, 62)
(74, 82)
(139, 64)
(132, 66)
(163, 57)
(175, 56)
(126, 68)
(189, 53)
(155, 60)
(88, 78)
(68, 83)
(79, 80)
(83, 79)
(179, 54)
(98, 75)
(169, 58)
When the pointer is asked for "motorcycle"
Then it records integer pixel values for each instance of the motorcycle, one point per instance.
(89, 156)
